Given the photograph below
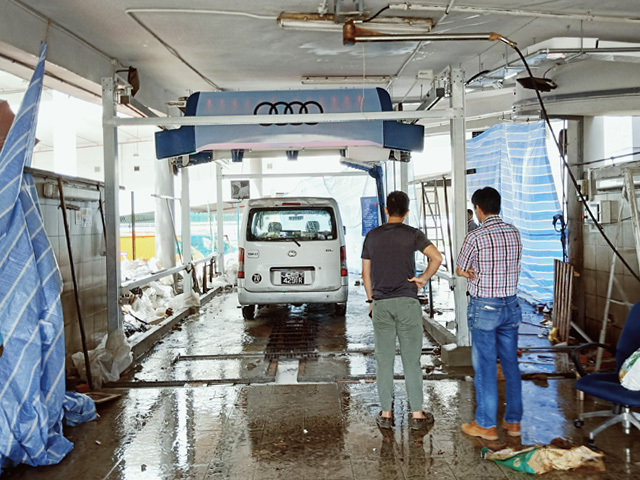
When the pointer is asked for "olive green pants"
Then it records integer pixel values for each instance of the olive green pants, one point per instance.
(399, 318)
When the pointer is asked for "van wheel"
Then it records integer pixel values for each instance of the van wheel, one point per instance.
(340, 309)
(248, 312)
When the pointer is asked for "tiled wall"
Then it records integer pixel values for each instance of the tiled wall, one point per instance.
(87, 247)
(597, 265)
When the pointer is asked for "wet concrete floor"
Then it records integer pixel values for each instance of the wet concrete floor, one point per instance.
(208, 404)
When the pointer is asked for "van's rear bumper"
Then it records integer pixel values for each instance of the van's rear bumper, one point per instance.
(268, 298)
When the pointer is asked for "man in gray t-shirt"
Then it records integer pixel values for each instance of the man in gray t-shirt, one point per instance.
(389, 278)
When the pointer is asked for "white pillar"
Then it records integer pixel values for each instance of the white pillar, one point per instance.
(255, 167)
(112, 207)
(164, 190)
(593, 138)
(185, 230)
(635, 132)
(64, 136)
(459, 184)
(220, 219)
(404, 177)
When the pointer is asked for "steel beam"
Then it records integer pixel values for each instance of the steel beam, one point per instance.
(459, 183)
(220, 219)
(185, 230)
(112, 207)
(304, 117)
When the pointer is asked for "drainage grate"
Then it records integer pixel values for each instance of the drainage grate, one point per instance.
(293, 338)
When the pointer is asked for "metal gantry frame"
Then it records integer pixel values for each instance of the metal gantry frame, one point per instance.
(455, 114)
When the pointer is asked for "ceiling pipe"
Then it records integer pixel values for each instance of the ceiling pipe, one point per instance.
(352, 34)
(518, 13)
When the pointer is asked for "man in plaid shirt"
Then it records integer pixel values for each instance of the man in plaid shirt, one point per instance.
(490, 260)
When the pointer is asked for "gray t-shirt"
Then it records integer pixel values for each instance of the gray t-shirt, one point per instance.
(391, 249)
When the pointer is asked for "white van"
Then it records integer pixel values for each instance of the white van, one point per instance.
(292, 250)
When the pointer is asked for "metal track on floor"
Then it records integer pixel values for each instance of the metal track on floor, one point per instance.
(293, 338)
(312, 380)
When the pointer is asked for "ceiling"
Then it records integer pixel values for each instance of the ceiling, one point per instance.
(183, 47)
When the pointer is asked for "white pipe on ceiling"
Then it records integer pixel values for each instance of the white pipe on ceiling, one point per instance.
(507, 11)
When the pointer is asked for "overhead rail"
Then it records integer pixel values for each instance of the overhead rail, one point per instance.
(448, 113)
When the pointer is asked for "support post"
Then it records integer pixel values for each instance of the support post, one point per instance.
(459, 185)
(164, 192)
(404, 177)
(185, 229)
(133, 226)
(575, 222)
(220, 219)
(112, 207)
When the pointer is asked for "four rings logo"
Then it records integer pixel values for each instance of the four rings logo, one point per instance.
(290, 108)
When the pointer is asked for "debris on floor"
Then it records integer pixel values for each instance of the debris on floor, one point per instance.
(558, 455)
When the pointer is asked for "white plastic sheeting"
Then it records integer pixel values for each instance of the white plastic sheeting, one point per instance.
(107, 361)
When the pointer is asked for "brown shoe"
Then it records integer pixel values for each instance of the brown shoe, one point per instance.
(513, 429)
(476, 430)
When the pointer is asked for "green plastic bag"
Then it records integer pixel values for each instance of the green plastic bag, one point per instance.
(518, 461)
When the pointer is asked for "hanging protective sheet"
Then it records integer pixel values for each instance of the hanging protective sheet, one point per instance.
(512, 158)
(32, 365)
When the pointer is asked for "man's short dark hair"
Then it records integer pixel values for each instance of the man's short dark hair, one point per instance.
(488, 199)
(397, 204)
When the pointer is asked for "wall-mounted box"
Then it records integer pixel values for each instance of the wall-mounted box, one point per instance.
(605, 211)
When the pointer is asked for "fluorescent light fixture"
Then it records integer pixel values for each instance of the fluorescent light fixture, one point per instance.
(346, 80)
(329, 23)
(512, 72)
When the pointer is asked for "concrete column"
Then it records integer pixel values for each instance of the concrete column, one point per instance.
(593, 138)
(404, 177)
(64, 137)
(185, 230)
(255, 167)
(635, 132)
(220, 219)
(575, 213)
(165, 233)
(459, 200)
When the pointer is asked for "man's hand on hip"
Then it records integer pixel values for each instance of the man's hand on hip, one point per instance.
(419, 281)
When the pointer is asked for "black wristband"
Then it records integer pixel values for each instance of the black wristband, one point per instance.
(369, 301)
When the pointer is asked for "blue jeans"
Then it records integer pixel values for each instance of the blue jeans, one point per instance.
(493, 323)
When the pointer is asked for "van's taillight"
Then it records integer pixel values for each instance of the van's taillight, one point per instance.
(343, 261)
(241, 263)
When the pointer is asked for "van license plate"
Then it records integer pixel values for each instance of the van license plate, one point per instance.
(292, 277)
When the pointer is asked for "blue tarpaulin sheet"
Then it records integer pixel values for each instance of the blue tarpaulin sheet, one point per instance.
(32, 380)
(512, 158)
(78, 408)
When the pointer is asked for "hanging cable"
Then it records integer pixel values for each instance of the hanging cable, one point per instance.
(375, 15)
(568, 169)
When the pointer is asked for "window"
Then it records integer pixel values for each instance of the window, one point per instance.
(283, 224)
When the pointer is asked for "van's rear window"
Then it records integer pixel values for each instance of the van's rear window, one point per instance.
(285, 223)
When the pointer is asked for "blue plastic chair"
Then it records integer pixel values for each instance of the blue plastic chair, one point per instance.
(606, 386)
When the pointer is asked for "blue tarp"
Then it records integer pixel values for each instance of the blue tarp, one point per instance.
(32, 379)
(78, 408)
(512, 158)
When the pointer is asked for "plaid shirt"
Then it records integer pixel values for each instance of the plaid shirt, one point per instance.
(494, 251)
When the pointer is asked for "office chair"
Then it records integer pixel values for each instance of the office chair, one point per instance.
(606, 386)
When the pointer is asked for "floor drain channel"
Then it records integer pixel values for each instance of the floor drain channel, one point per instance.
(293, 339)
